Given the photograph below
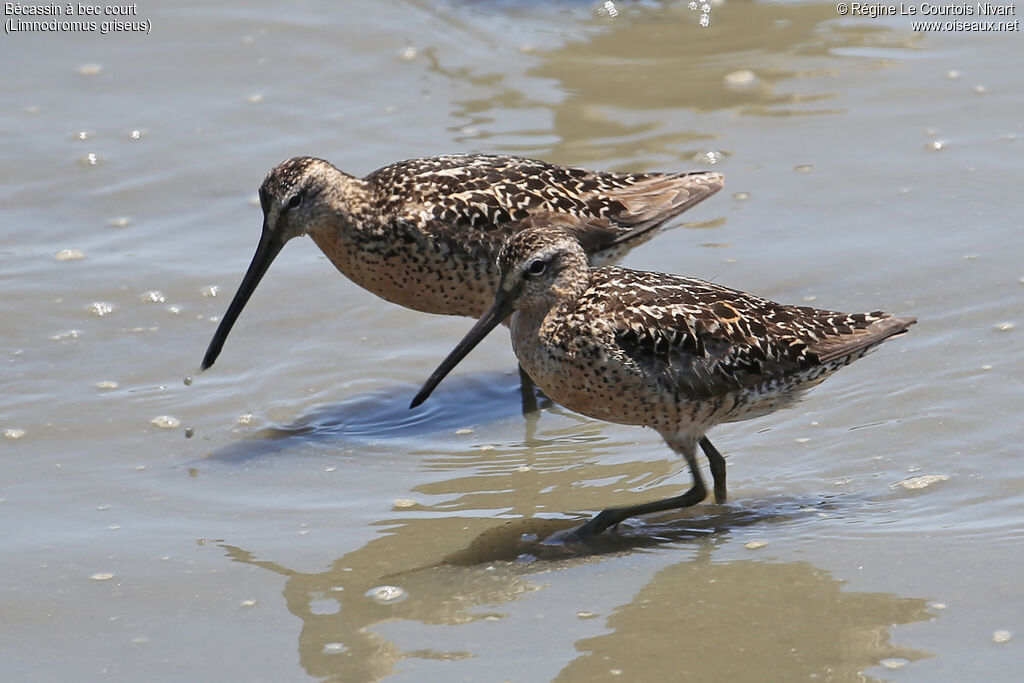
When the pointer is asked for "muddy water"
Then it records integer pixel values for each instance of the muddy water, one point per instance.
(313, 527)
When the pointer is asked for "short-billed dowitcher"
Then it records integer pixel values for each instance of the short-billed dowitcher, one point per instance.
(424, 233)
(674, 353)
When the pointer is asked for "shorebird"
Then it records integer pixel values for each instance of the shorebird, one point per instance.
(677, 354)
(424, 233)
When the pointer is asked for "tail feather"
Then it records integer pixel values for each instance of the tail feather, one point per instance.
(832, 348)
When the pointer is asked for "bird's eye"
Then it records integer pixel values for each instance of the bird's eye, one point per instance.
(536, 267)
(295, 201)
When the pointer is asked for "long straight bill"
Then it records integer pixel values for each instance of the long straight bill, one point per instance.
(269, 247)
(499, 310)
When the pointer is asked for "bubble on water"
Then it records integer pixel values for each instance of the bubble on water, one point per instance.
(153, 296)
(405, 503)
(980, 89)
(803, 168)
(952, 75)
(936, 145)
(1004, 327)
(334, 648)
(464, 430)
(69, 255)
(608, 9)
(90, 159)
(102, 576)
(246, 419)
(526, 558)
(14, 433)
(135, 134)
(248, 603)
(255, 98)
(409, 53)
(100, 308)
(120, 222)
(709, 157)
(188, 381)
(894, 662)
(387, 595)
(754, 545)
(741, 196)
(166, 422)
(173, 310)
(1001, 636)
(90, 69)
(586, 615)
(70, 334)
(210, 291)
(922, 481)
(189, 432)
(741, 78)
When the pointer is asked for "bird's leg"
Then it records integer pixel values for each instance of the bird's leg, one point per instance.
(717, 463)
(528, 389)
(612, 516)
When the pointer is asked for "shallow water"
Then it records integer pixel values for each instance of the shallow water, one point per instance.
(867, 166)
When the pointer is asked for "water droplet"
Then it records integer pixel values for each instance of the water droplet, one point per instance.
(387, 595)
(952, 75)
(1001, 636)
(14, 433)
(189, 432)
(334, 648)
(248, 603)
(188, 381)
(409, 53)
(464, 430)
(404, 503)
(586, 615)
(106, 384)
(754, 545)
(935, 145)
(102, 576)
(1004, 327)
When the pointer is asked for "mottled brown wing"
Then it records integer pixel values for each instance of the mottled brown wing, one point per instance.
(707, 340)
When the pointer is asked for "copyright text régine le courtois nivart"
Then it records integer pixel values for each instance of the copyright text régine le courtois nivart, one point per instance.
(926, 9)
